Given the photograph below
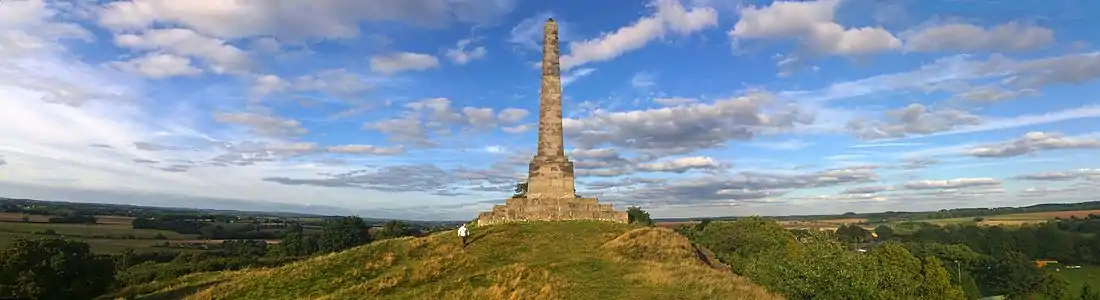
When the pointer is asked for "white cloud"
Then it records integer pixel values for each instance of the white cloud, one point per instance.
(813, 24)
(675, 101)
(528, 32)
(219, 56)
(402, 61)
(266, 45)
(290, 19)
(460, 56)
(263, 124)
(1011, 36)
(1033, 142)
(670, 17)
(681, 164)
(366, 149)
(575, 74)
(27, 27)
(642, 80)
(159, 66)
(950, 184)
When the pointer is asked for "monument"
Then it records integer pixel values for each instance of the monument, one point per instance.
(550, 186)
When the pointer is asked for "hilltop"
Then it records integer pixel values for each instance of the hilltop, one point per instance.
(546, 260)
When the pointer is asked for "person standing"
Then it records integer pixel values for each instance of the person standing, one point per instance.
(463, 233)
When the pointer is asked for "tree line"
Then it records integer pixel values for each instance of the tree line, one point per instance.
(59, 268)
(948, 262)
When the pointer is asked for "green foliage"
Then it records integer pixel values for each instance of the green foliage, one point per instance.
(189, 263)
(52, 268)
(970, 286)
(638, 216)
(255, 248)
(1011, 274)
(342, 233)
(853, 234)
(296, 243)
(521, 190)
(934, 281)
(745, 237)
(1054, 287)
(885, 232)
(816, 265)
(394, 229)
(1088, 294)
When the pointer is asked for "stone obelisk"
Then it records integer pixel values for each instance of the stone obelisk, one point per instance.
(550, 193)
(551, 173)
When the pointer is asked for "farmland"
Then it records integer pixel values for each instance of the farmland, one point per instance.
(1018, 219)
(109, 234)
(824, 223)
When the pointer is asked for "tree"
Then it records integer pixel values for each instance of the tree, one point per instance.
(296, 243)
(934, 282)
(52, 268)
(636, 215)
(853, 234)
(1054, 287)
(1086, 291)
(521, 190)
(394, 229)
(342, 233)
(884, 232)
(1011, 274)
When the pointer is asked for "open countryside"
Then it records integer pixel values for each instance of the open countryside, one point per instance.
(249, 240)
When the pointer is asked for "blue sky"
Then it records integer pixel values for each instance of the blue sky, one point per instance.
(426, 109)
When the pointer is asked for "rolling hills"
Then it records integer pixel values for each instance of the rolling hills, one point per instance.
(546, 260)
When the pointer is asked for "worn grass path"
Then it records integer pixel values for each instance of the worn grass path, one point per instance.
(547, 260)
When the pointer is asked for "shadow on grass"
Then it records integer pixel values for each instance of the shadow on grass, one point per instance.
(179, 293)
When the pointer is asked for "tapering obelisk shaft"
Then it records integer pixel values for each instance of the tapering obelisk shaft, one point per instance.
(550, 182)
(551, 141)
(551, 173)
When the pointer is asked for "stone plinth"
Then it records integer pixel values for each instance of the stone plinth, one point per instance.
(525, 210)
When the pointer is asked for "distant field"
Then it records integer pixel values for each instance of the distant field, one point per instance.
(814, 224)
(99, 245)
(1017, 219)
(116, 230)
(115, 220)
(18, 217)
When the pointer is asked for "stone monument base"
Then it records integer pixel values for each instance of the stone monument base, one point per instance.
(554, 209)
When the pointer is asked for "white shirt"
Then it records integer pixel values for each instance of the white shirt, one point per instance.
(462, 231)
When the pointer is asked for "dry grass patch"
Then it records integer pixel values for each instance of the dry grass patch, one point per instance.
(653, 244)
(697, 282)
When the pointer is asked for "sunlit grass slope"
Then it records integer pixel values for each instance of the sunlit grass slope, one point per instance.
(547, 260)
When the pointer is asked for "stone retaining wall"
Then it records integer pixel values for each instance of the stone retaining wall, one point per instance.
(523, 209)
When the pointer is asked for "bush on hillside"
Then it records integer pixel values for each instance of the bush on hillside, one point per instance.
(638, 216)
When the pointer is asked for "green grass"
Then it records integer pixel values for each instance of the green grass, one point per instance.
(545, 260)
(83, 230)
(1078, 278)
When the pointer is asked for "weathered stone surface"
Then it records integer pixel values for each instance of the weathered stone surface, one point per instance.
(550, 180)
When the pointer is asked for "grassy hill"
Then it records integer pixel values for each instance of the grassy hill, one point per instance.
(546, 260)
